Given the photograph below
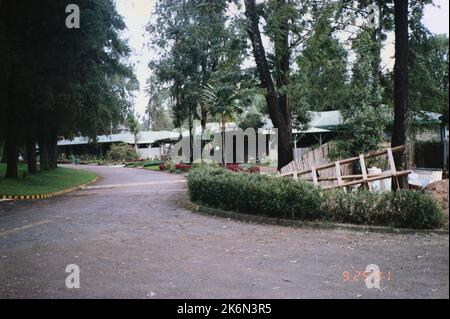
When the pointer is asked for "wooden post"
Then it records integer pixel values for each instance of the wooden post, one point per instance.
(362, 163)
(393, 168)
(314, 176)
(338, 173)
(391, 161)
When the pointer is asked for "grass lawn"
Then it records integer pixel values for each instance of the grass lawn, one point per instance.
(43, 182)
(152, 168)
(143, 164)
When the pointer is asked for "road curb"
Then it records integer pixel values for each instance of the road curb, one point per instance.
(309, 224)
(48, 195)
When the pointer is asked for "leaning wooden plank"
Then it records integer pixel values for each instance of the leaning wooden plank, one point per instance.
(286, 174)
(287, 170)
(391, 160)
(352, 160)
(314, 176)
(338, 172)
(344, 177)
(362, 164)
(384, 152)
(371, 155)
(373, 179)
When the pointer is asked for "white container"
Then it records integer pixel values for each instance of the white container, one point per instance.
(376, 186)
(422, 178)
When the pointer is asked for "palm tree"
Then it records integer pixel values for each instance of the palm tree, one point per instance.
(223, 103)
(134, 126)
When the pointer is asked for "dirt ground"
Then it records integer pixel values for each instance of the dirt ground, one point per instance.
(439, 191)
(131, 239)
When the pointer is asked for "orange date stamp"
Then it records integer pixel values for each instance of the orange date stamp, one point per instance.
(358, 276)
(372, 276)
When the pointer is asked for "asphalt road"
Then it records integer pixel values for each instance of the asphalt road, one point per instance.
(131, 239)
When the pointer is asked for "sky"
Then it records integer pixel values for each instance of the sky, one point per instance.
(137, 13)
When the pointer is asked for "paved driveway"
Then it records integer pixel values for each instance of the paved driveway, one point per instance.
(131, 239)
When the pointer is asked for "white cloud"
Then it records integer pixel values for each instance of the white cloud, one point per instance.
(436, 17)
(137, 14)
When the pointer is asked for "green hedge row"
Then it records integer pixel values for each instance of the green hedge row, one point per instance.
(404, 209)
(144, 164)
(283, 198)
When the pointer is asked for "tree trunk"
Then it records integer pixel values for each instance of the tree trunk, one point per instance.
(203, 121)
(3, 159)
(401, 84)
(43, 156)
(191, 138)
(224, 161)
(136, 149)
(12, 156)
(31, 156)
(279, 106)
(11, 133)
(52, 158)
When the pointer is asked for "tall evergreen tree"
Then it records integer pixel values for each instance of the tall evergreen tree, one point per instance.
(59, 81)
(198, 46)
(321, 82)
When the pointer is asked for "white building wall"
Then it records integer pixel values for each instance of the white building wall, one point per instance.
(150, 153)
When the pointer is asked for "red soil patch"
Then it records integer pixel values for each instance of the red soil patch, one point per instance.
(439, 191)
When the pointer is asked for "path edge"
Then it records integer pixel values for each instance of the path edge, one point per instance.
(204, 210)
(48, 195)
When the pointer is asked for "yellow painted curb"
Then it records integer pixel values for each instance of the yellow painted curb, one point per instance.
(48, 195)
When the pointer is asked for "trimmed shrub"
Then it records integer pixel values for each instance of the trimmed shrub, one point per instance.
(404, 209)
(252, 193)
(143, 163)
(413, 210)
(183, 167)
(170, 166)
(357, 208)
(286, 198)
(174, 168)
(153, 163)
(122, 152)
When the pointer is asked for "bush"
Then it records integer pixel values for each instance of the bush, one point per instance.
(285, 198)
(153, 163)
(355, 208)
(183, 167)
(170, 166)
(413, 210)
(122, 152)
(252, 193)
(143, 163)
(153, 168)
(404, 209)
